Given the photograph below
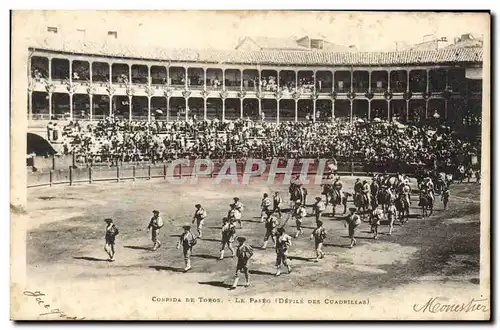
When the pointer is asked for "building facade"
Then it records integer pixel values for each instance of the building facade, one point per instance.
(66, 84)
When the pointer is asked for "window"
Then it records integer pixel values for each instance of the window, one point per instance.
(52, 29)
(113, 34)
(317, 44)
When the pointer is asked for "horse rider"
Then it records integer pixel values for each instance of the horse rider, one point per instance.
(374, 188)
(294, 184)
(358, 186)
(428, 185)
(406, 191)
(400, 177)
(265, 207)
(366, 191)
(295, 181)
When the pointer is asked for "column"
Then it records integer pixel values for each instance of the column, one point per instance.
(186, 84)
(258, 85)
(187, 106)
(445, 109)
(130, 108)
(149, 109)
(90, 71)
(223, 85)
(129, 73)
(277, 111)
(447, 79)
(314, 84)
(241, 83)
(407, 110)
(427, 81)
(223, 105)
(296, 110)
(70, 106)
(205, 79)
(204, 108)
(333, 81)
(50, 106)
(91, 107)
(168, 79)
(150, 78)
(168, 105)
(352, 83)
(369, 89)
(426, 107)
(110, 72)
(30, 104)
(369, 109)
(388, 110)
(70, 71)
(333, 110)
(278, 79)
(350, 114)
(50, 68)
(407, 80)
(110, 104)
(260, 106)
(296, 84)
(388, 80)
(314, 110)
(241, 108)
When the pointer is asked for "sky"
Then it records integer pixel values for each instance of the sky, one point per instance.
(368, 31)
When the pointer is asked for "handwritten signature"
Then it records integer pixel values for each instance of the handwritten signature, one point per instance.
(50, 311)
(433, 306)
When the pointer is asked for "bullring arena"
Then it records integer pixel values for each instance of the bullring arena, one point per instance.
(65, 248)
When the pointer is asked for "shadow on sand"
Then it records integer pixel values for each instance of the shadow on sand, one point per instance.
(219, 284)
(300, 258)
(137, 247)
(172, 269)
(204, 256)
(259, 272)
(90, 259)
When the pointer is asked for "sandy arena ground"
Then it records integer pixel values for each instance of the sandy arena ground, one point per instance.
(438, 256)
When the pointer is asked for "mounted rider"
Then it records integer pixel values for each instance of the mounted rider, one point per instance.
(405, 192)
(428, 186)
(294, 184)
(374, 187)
(358, 186)
(366, 191)
(338, 187)
(327, 184)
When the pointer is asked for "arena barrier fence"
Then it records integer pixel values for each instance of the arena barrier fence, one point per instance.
(127, 172)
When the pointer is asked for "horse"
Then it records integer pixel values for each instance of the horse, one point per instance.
(298, 193)
(327, 192)
(361, 202)
(339, 200)
(390, 181)
(426, 203)
(441, 183)
(334, 197)
(384, 198)
(403, 208)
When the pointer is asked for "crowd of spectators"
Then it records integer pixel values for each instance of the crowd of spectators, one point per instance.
(114, 140)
